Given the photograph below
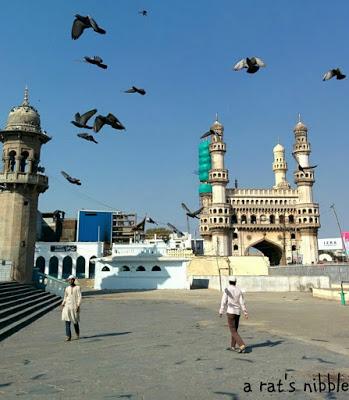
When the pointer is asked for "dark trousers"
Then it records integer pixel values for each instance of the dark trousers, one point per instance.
(68, 331)
(233, 323)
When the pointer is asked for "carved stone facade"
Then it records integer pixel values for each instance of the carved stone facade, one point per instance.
(20, 186)
(281, 222)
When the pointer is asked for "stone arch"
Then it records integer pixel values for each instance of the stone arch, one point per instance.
(80, 267)
(67, 267)
(53, 267)
(40, 264)
(269, 249)
(91, 267)
(23, 163)
(12, 160)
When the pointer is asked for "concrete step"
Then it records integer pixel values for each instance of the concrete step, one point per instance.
(27, 311)
(15, 286)
(14, 327)
(8, 292)
(14, 302)
(26, 304)
(18, 295)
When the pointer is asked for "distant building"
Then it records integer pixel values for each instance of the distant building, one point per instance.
(61, 259)
(54, 227)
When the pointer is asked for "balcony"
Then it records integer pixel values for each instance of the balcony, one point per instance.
(24, 178)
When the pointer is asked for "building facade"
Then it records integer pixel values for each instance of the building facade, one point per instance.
(281, 222)
(20, 186)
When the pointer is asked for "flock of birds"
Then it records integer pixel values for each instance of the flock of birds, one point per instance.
(250, 64)
(81, 121)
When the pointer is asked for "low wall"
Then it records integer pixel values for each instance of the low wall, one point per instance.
(330, 294)
(336, 273)
(263, 283)
(237, 265)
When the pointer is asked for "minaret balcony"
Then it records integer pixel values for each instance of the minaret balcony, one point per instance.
(219, 210)
(218, 176)
(23, 178)
(218, 147)
(302, 147)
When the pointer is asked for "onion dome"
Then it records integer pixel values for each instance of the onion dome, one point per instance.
(24, 117)
(300, 127)
(217, 126)
(278, 148)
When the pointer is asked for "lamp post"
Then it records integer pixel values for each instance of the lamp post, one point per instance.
(345, 253)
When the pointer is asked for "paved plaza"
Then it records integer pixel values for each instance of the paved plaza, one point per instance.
(172, 345)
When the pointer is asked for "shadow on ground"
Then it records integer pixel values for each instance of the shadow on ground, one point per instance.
(105, 335)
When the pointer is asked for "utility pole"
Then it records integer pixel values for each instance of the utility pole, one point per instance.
(340, 231)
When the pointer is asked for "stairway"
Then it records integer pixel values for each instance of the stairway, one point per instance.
(20, 305)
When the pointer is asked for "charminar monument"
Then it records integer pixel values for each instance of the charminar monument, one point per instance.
(281, 222)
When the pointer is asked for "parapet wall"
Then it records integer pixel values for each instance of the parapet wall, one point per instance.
(236, 265)
(263, 283)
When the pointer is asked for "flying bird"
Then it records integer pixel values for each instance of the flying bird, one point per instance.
(2, 187)
(333, 73)
(41, 169)
(81, 120)
(300, 168)
(175, 230)
(70, 179)
(96, 60)
(87, 137)
(252, 64)
(144, 13)
(150, 221)
(209, 133)
(81, 23)
(110, 119)
(140, 226)
(190, 213)
(134, 89)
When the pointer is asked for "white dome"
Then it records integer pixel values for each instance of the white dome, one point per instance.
(278, 147)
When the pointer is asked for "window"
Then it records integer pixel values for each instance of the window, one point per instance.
(293, 236)
(281, 219)
(291, 219)
(105, 268)
(235, 235)
(294, 248)
(272, 219)
(156, 268)
(243, 219)
(234, 219)
(236, 247)
(125, 268)
(140, 268)
(12, 160)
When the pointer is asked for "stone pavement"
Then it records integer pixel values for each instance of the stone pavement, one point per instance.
(171, 345)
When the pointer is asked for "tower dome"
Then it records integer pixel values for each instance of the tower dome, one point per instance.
(278, 147)
(24, 117)
(217, 126)
(300, 127)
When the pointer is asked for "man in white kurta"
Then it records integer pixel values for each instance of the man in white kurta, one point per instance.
(71, 308)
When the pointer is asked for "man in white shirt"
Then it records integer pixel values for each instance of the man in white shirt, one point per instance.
(232, 303)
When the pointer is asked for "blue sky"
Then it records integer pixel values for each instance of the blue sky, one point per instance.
(182, 54)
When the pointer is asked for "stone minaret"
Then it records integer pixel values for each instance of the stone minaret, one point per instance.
(280, 168)
(308, 219)
(219, 210)
(22, 139)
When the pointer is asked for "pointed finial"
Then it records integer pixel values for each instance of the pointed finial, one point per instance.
(299, 117)
(217, 116)
(278, 139)
(26, 96)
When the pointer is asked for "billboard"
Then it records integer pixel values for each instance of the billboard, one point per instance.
(345, 236)
(330, 244)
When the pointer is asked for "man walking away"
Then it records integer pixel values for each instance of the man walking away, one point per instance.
(232, 303)
(71, 308)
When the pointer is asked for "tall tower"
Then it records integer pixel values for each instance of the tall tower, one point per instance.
(308, 218)
(219, 210)
(280, 168)
(22, 139)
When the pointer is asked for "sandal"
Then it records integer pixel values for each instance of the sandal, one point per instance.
(242, 349)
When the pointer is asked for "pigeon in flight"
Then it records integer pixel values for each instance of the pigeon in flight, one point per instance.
(70, 179)
(190, 213)
(134, 89)
(140, 226)
(252, 64)
(209, 133)
(87, 137)
(175, 230)
(300, 168)
(96, 60)
(333, 73)
(150, 221)
(81, 120)
(144, 13)
(110, 119)
(81, 23)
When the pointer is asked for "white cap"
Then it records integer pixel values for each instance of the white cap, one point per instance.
(71, 277)
(232, 278)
